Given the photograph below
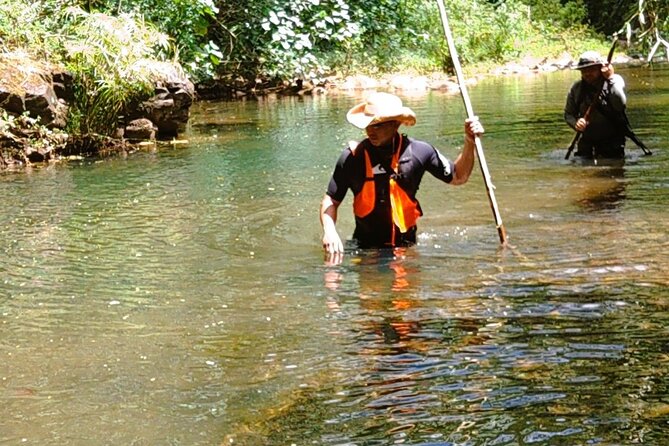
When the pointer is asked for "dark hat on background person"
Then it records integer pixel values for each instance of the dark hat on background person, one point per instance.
(380, 107)
(589, 59)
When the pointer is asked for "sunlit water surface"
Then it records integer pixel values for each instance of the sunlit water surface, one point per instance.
(181, 297)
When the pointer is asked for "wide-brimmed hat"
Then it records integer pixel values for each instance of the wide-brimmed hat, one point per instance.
(380, 107)
(589, 59)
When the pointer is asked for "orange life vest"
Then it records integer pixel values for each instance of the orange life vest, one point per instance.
(405, 211)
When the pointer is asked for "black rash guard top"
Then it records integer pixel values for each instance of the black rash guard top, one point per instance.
(416, 157)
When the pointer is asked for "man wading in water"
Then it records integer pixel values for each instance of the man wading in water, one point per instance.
(603, 130)
(384, 172)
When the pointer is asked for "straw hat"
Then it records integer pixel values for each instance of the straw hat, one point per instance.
(589, 59)
(380, 107)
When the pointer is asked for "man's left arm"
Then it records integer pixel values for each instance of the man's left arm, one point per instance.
(616, 85)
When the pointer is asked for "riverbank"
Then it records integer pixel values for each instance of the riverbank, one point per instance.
(48, 114)
(26, 142)
(400, 83)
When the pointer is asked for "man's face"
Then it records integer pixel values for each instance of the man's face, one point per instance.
(591, 74)
(383, 133)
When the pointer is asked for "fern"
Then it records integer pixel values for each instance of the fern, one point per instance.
(108, 57)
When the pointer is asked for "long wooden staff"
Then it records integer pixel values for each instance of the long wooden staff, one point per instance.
(470, 114)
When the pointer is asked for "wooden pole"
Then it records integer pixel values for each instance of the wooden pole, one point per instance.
(490, 188)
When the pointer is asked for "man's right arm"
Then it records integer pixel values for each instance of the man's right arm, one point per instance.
(571, 108)
(337, 188)
(332, 243)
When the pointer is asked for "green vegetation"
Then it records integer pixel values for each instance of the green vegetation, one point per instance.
(312, 38)
(107, 55)
(104, 41)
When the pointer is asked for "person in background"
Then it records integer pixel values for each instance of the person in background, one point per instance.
(384, 172)
(603, 130)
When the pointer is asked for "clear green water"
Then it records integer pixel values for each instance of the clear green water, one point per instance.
(181, 296)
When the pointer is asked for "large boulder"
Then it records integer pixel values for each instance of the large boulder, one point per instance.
(36, 95)
(43, 90)
(169, 106)
(27, 85)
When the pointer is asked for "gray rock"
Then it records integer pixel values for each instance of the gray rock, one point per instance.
(141, 129)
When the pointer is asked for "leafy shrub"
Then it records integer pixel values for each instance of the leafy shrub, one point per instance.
(187, 22)
(27, 24)
(300, 33)
(107, 57)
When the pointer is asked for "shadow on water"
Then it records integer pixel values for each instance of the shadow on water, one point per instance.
(605, 191)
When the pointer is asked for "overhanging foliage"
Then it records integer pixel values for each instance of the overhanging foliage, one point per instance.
(312, 38)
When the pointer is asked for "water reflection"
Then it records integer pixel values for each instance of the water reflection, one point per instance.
(409, 356)
(383, 280)
(605, 190)
(425, 370)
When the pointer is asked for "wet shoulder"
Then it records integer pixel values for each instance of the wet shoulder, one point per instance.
(349, 155)
(419, 149)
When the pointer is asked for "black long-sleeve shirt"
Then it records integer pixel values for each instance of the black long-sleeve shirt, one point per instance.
(605, 119)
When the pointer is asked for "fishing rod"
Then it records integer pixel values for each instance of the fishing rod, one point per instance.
(470, 114)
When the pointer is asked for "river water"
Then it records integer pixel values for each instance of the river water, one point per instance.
(180, 296)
